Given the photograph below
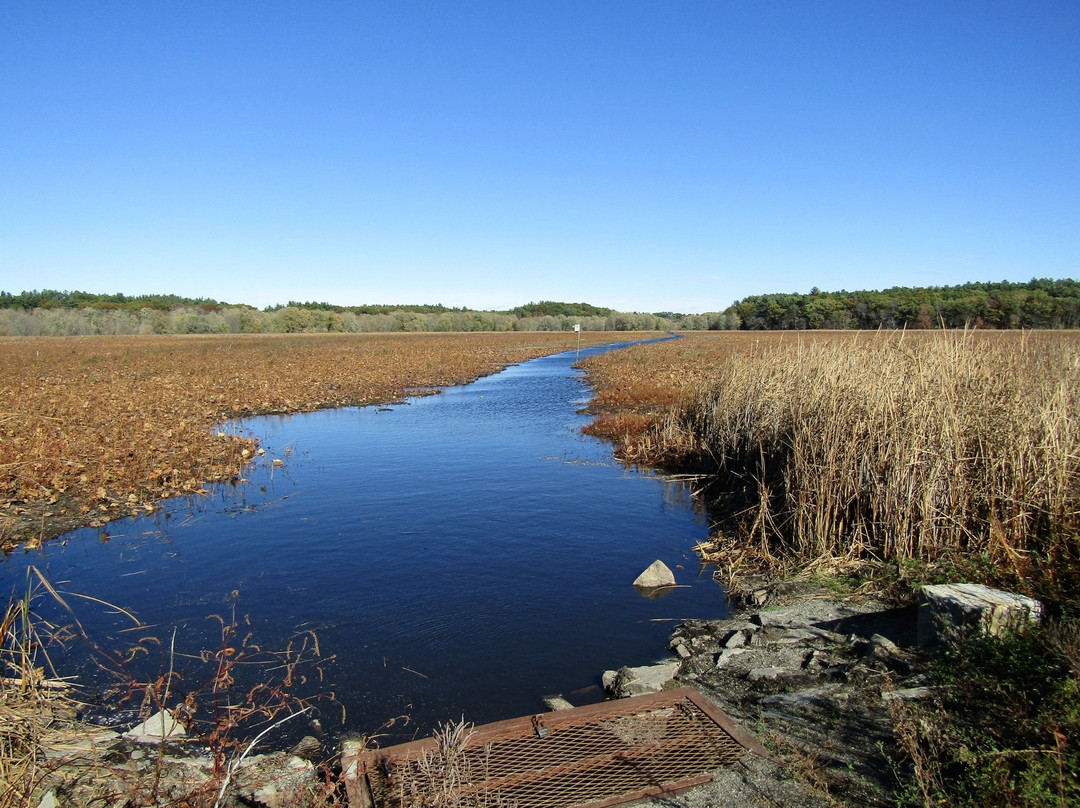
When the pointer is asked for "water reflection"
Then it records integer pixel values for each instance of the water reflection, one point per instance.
(462, 554)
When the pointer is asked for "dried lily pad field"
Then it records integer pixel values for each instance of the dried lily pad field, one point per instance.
(97, 428)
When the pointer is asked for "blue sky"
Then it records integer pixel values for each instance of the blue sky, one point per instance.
(646, 156)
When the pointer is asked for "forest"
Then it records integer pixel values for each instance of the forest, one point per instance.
(54, 313)
(1038, 303)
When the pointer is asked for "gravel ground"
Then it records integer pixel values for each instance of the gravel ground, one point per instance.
(811, 680)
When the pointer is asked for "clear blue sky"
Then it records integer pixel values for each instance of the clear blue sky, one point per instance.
(646, 156)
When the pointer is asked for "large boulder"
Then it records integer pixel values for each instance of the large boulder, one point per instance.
(657, 575)
(639, 681)
(949, 612)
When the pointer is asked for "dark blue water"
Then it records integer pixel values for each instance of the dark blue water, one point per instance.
(462, 554)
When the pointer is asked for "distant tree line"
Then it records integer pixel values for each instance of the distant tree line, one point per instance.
(52, 299)
(1038, 303)
(53, 313)
(371, 309)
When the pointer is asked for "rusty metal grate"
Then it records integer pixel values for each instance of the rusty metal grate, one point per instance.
(593, 756)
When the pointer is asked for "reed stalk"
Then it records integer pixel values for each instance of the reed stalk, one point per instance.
(900, 447)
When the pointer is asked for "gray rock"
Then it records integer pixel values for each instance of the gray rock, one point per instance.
(797, 636)
(907, 694)
(765, 674)
(700, 645)
(804, 614)
(277, 780)
(160, 726)
(778, 636)
(882, 648)
(949, 612)
(639, 681)
(816, 661)
(657, 575)
(860, 645)
(725, 656)
(828, 636)
(84, 741)
(802, 698)
(737, 639)
(885, 650)
(308, 748)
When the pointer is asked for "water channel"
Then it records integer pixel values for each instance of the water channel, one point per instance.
(462, 554)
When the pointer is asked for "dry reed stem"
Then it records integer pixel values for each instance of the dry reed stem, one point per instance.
(31, 704)
(449, 776)
(877, 446)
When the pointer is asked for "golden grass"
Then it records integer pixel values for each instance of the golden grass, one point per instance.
(871, 445)
(97, 428)
(638, 387)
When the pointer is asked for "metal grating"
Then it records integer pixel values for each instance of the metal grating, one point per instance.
(593, 756)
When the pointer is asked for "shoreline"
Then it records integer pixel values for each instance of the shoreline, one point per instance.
(806, 714)
(102, 428)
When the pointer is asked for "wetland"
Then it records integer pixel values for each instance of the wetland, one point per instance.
(464, 553)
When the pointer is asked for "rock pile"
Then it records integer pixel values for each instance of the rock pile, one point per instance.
(115, 770)
(810, 679)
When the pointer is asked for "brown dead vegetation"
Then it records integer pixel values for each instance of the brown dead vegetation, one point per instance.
(637, 388)
(875, 462)
(96, 428)
(837, 447)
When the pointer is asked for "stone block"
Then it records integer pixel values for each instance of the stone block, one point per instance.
(726, 655)
(736, 639)
(639, 681)
(948, 612)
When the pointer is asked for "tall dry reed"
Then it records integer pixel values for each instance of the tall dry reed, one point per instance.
(896, 447)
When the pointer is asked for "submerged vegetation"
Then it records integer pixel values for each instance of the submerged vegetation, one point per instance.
(226, 700)
(99, 428)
